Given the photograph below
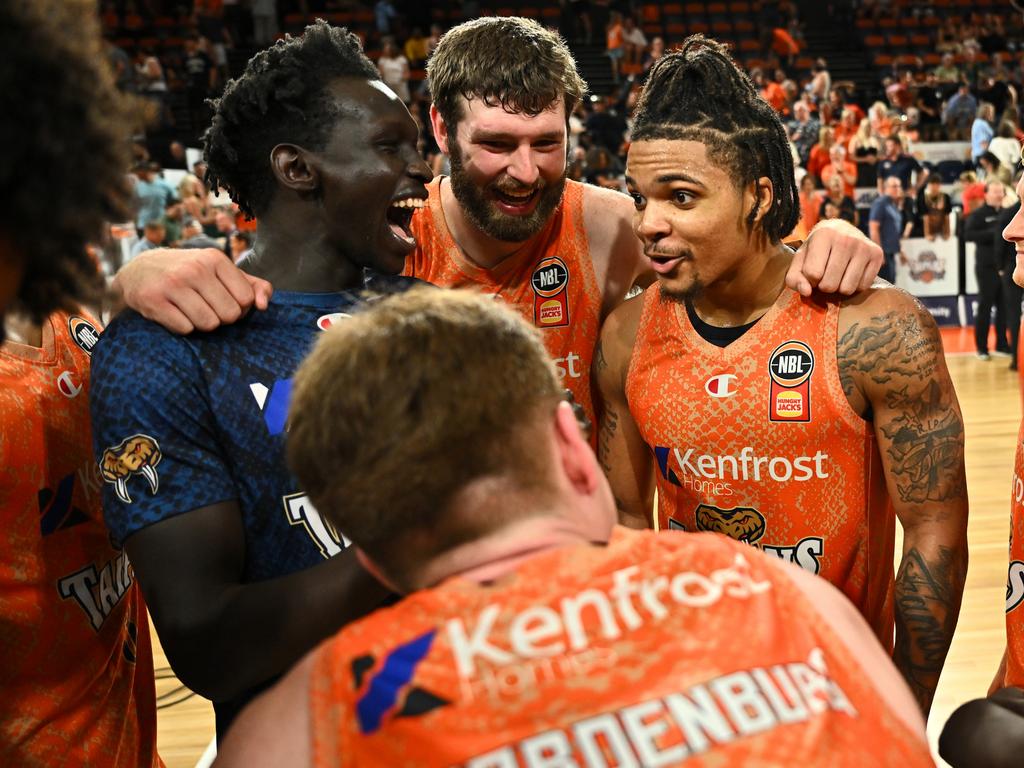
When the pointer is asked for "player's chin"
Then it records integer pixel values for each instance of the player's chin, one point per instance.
(390, 255)
(1018, 271)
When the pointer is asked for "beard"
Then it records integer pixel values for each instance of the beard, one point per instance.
(687, 295)
(484, 214)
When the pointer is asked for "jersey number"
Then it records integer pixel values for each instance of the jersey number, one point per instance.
(301, 511)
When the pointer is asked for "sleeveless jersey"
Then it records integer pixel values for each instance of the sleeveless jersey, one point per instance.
(76, 665)
(654, 650)
(552, 285)
(1015, 579)
(758, 441)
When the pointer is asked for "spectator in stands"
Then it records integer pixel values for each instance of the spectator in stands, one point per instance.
(655, 52)
(394, 70)
(192, 236)
(810, 205)
(385, 15)
(434, 39)
(840, 168)
(947, 71)
(1006, 259)
(264, 21)
(240, 245)
(634, 40)
(819, 157)
(896, 162)
(209, 18)
(416, 48)
(928, 101)
(971, 66)
(196, 200)
(836, 204)
(971, 192)
(820, 84)
(979, 228)
(846, 128)
(885, 225)
(200, 80)
(615, 47)
(771, 91)
(174, 217)
(880, 121)
(150, 195)
(897, 91)
(803, 130)
(606, 126)
(981, 131)
(959, 112)
(1006, 147)
(152, 84)
(992, 169)
(153, 235)
(579, 12)
(935, 207)
(864, 148)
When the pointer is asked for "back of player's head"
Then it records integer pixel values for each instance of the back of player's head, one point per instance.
(405, 405)
(65, 136)
(697, 93)
(507, 61)
(281, 97)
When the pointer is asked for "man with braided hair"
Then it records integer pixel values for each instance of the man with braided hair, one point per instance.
(241, 573)
(801, 422)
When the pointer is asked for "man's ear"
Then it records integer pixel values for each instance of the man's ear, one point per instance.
(293, 168)
(575, 456)
(440, 129)
(762, 193)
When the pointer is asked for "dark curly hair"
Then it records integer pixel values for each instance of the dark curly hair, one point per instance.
(66, 130)
(280, 97)
(698, 93)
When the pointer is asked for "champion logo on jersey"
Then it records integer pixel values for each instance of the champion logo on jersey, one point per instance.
(790, 367)
(722, 385)
(69, 385)
(84, 333)
(383, 691)
(273, 403)
(326, 322)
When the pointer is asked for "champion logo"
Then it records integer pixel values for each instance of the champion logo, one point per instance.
(721, 385)
(326, 322)
(68, 385)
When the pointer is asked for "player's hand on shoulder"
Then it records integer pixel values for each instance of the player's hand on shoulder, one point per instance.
(187, 290)
(836, 258)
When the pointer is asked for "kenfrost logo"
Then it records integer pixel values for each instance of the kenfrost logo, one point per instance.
(709, 473)
(542, 631)
(721, 385)
(569, 366)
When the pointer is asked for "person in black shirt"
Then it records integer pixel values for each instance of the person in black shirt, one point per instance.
(980, 228)
(895, 162)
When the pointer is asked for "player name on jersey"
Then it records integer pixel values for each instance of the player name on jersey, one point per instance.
(666, 730)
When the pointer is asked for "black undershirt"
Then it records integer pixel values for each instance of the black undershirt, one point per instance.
(713, 334)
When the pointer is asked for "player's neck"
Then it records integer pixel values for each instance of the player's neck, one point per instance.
(746, 293)
(294, 254)
(21, 330)
(480, 248)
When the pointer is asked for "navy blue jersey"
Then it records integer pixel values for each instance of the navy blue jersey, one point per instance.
(183, 422)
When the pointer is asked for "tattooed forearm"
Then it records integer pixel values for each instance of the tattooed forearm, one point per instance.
(928, 593)
(887, 346)
(609, 427)
(600, 363)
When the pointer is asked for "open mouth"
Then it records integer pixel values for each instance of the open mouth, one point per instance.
(515, 202)
(399, 216)
(665, 264)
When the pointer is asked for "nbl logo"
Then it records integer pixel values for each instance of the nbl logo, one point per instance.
(550, 277)
(790, 368)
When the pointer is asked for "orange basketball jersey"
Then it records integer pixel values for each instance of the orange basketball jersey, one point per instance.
(552, 285)
(654, 650)
(1015, 579)
(758, 441)
(76, 665)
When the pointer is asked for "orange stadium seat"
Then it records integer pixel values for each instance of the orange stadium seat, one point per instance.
(651, 12)
(673, 9)
(888, 23)
(865, 23)
(699, 26)
(550, 13)
(739, 8)
(932, 59)
(883, 60)
(721, 29)
(874, 41)
(743, 27)
(694, 9)
(654, 30)
(750, 45)
(898, 42)
(676, 30)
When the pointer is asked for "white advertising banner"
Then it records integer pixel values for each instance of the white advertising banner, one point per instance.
(928, 267)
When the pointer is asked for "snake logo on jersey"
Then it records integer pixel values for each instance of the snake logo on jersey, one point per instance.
(135, 455)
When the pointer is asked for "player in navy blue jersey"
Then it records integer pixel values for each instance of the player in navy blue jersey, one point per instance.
(241, 574)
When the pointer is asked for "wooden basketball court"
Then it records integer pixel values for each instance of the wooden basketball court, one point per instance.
(991, 402)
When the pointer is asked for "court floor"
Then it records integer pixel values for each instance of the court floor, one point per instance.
(991, 403)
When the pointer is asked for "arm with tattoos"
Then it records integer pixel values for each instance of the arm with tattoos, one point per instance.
(891, 364)
(624, 456)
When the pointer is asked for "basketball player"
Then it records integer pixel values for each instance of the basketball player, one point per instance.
(990, 731)
(509, 223)
(534, 631)
(76, 664)
(795, 424)
(236, 564)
